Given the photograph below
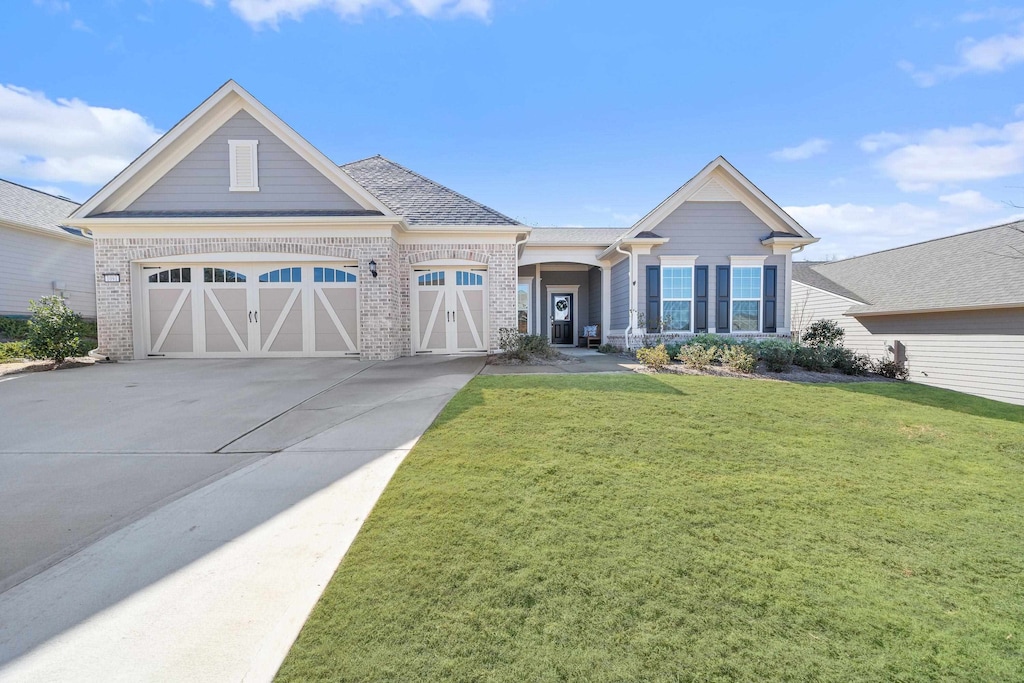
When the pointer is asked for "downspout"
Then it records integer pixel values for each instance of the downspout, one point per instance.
(629, 323)
(519, 243)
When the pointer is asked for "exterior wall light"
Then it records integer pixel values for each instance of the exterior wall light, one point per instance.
(373, 268)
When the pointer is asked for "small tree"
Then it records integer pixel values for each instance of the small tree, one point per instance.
(824, 333)
(53, 329)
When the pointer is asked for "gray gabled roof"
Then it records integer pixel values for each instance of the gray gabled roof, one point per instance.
(240, 213)
(418, 199)
(25, 206)
(978, 269)
(595, 236)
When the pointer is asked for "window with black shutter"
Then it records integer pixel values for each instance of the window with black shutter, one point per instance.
(700, 299)
(653, 298)
(722, 299)
(770, 289)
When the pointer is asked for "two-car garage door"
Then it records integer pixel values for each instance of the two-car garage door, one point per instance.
(263, 309)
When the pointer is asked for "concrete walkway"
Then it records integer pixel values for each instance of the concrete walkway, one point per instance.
(215, 585)
(589, 360)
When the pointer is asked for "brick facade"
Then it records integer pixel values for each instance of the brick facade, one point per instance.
(384, 301)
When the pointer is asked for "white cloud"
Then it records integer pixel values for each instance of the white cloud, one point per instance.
(53, 6)
(261, 13)
(971, 200)
(853, 229)
(804, 150)
(79, 25)
(992, 14)
(993, 54)
(950, 155)
(67, 140)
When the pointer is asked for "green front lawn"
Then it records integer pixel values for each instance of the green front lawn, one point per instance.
(628, 528)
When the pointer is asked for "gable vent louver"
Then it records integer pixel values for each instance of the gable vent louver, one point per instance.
(244, 166)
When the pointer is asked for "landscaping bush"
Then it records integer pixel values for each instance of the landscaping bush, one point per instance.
(523, 347)
(815, 359)
(887, 367)
(824, 333)
(15, 350)
(849, 362)
(697, 357)
(53, 329)
(777, 354)
(739, 358)
(708, 340)
(654, 358)
(14, 328)
(672, 349)
(609, 348)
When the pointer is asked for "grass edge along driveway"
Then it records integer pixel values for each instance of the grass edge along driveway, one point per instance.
(614, 528)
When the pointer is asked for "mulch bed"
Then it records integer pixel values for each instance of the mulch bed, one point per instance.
(794, 374)
(20, 367)
(558, 359)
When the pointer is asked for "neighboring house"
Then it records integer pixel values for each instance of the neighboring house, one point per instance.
(233, 236)
(951, 309)
(39, 256)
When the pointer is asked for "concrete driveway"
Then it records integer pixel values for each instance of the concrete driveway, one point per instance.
(169, 520)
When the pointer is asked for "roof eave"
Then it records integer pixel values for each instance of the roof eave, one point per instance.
(628, 242)
(47, 232)
(866, 312)
(795, 241)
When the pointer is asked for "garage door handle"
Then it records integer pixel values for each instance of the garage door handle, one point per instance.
(250, 316)
(257, 314)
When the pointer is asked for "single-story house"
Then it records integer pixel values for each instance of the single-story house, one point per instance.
(950, 309)
(233, 236)
(40, 255)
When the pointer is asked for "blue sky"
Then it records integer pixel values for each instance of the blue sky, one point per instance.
(874, 124)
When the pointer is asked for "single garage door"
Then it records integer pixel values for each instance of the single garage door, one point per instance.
(449, 310)
(247, 310)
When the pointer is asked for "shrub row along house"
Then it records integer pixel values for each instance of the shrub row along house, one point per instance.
(951, 309)
(41, 256)
(233, 236)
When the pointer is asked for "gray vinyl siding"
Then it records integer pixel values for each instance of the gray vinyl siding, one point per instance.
(620, 295)
(974, 352)
(714, 231)
(32, 262)
(594, 278)
(200, 181)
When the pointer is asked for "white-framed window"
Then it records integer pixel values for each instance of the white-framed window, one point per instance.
(524, 301)
(745, 291)
(244, 166)
(677, 293)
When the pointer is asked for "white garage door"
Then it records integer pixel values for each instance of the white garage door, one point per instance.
(225, 310)
(449, 310)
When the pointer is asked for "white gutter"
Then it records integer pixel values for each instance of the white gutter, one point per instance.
(632, 311)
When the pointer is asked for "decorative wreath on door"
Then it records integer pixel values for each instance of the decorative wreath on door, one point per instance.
(561, 305)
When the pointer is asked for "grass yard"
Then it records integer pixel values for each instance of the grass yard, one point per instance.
(678, 528)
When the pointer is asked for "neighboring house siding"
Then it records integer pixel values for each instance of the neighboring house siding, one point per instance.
(620, 295)
(975, 352)
(31, 262)
(594, 278)
(810, 304)
(200, 181)
(714, 231)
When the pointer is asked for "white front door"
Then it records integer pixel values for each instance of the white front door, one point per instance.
(449, 310)
(248, 310)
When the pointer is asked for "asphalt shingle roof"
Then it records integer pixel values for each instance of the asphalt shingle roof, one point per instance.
(576, 235)
(23, 205)
(235, 213)
(418, 199)
(804, 271)
(973, 269)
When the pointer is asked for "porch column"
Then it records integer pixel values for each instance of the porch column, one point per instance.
(606, 302)
(538, 327)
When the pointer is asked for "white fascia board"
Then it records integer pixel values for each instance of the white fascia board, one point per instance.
(35, 229)
(468, 229)
(749, 194)
(188, 133)
(853, 312)
(638, 245)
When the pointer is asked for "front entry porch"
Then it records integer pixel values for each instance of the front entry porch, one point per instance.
(561, 301)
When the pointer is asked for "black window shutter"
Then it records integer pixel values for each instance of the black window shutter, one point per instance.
(770, 293)
(653, 297)
(700, 299)
(722, 297)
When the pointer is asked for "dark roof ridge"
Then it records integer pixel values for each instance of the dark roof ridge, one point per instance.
(32, 189)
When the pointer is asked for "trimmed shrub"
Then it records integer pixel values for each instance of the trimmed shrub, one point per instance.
(887, 367)
(777, 354)
(672, 349)
(15, 329)
(15, 350)
(697, 357)
(53, 329)
(708, 340)
(824, 333)
(523, 347)
(849, 362)
(608, 348)
(815, 359)
(739, 358)
(654, 358)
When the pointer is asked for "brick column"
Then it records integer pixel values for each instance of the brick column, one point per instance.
(114, 299)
